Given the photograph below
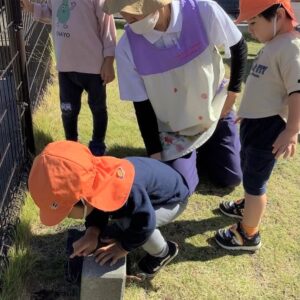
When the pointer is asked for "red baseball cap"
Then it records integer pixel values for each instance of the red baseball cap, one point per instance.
(66, 172)
(251, 8)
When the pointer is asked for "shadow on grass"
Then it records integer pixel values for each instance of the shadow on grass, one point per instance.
(42, 139)
(206, 187)
(50, 274)
(181, 230)
(121, 151)
(48, 279)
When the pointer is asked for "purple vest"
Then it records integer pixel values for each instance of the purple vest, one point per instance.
(193, 40)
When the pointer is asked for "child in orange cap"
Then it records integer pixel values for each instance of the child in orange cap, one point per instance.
(270, 112)
(66, 180)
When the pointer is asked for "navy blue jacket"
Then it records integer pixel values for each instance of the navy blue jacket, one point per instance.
(155, 185)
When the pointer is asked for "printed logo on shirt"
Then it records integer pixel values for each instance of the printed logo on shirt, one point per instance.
(63, 13)
(63, 34)
(258, 70)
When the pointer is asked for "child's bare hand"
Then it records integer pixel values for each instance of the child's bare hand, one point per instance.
(86, 244)
(112, 252)
(285, 144)
(107, 70)
(27, 5)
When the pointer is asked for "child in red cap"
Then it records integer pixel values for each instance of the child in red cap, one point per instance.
(270, 112)
(66, 180)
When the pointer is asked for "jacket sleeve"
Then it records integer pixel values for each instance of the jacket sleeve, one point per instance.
(107, 30)
(97, 218)
(142, 220)
(42, 12)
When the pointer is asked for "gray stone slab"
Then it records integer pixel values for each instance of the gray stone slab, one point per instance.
(102, 282)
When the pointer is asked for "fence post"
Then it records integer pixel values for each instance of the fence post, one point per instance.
(18, 23)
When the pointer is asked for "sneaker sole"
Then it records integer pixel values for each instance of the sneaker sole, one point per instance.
(230, 215)
(244, 248)
(150, 276)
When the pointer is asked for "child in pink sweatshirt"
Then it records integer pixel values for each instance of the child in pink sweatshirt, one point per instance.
(84, 39)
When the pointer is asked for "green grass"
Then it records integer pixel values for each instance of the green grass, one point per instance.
(22, 259)
(201, 270)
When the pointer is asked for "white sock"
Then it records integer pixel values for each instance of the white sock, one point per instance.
(163, 252)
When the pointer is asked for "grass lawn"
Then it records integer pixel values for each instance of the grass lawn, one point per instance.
(202, 270)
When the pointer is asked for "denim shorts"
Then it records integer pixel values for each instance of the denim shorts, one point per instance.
(257, 160)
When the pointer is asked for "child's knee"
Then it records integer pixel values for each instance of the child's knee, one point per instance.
(69, 110)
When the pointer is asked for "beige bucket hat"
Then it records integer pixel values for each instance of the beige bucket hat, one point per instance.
(135, 7)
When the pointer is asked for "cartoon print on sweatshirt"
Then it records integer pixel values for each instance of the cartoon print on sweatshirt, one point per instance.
(64, 12)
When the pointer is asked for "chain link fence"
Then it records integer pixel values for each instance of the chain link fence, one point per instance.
(24, 70)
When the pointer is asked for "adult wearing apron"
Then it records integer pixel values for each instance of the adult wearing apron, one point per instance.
(169, 66)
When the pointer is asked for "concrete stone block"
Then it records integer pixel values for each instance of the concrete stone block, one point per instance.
(102, 282)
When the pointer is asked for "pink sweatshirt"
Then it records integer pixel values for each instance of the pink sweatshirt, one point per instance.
(82, 33)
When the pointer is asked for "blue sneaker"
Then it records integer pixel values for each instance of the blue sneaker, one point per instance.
(234, 238)
(233, 209)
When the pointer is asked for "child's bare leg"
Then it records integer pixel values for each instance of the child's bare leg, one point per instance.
(254, 210)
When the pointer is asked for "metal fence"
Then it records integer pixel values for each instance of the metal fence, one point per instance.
(24, 70)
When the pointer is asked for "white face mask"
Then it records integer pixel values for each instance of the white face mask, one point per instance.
(145, 25)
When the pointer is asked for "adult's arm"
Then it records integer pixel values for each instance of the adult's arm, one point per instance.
(147, 122)
(239, 54)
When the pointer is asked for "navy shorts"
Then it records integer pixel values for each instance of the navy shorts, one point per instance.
(257, 160)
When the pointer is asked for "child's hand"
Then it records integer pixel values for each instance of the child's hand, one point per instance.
(86, 244)
(285, 144)
(107, 70)
(27, 5)
(112, 252)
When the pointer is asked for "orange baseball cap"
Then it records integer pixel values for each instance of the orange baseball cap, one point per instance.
(66, 172)
(251, 8)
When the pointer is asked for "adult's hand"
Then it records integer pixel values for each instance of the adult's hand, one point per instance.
(229, 102)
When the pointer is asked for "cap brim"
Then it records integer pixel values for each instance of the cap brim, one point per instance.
(242, 18)
(54, 217)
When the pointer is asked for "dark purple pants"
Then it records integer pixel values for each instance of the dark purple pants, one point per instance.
(219, 158)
